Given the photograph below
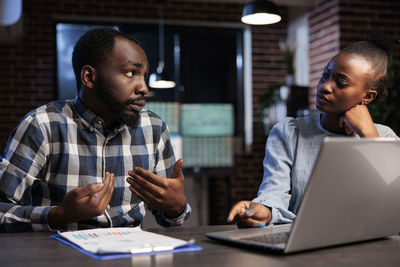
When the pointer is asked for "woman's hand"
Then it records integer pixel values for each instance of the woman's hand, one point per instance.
(357, 120)
(249, 214)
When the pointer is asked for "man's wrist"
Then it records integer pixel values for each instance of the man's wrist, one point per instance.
(176, 213)
(179, 220)
(55, 217)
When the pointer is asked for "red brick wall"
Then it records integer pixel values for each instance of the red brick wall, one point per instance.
(324, 40)
(27, 68)
(268, 64)
(359, 17)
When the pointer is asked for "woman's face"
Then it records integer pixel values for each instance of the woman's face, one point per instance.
(343, 84)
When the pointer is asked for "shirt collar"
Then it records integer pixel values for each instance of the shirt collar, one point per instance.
(89, 117)
(93, 121)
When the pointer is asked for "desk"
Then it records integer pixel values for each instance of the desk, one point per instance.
(38, 249)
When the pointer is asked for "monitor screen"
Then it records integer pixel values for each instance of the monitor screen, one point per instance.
(67, 36)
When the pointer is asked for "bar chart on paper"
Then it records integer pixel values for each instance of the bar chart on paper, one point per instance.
(122, 240)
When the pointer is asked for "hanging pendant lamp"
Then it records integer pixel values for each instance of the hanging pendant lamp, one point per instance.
(10, 11)
(160, 78)
(260, 12)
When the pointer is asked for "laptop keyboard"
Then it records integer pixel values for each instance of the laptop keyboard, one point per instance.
(275, 238)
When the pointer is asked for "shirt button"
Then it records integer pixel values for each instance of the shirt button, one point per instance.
(91, 128)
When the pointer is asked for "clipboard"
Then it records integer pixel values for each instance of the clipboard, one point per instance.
(116, 236)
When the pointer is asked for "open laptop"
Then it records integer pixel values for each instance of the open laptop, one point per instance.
(353, 195)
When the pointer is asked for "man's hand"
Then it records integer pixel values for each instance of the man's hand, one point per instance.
(357, 120)
(249, 214)
(159, 192)
(83, 203)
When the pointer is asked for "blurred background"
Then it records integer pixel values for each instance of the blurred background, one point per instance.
(233, 81)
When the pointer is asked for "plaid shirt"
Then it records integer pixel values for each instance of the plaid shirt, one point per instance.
(63, 145)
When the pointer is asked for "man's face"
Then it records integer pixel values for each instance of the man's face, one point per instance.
(120, 82)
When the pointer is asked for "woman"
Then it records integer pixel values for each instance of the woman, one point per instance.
(352, 79)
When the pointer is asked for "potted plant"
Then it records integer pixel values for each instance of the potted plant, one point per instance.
(268, 100)
(288, 49)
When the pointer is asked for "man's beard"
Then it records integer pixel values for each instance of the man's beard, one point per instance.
(117, 108)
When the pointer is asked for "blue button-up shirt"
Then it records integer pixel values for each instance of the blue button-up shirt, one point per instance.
(290, 154)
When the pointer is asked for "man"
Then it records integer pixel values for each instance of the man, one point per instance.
(95, 160)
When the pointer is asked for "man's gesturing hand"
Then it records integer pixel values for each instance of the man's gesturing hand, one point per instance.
(158, 192)
(83, 203)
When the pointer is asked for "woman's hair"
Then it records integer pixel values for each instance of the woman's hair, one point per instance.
(375, 49)
(93, 47)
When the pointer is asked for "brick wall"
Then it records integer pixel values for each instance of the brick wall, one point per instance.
(324, 40)
(27, 68)
(359, 17)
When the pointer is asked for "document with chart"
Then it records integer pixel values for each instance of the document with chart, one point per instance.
(123, 240)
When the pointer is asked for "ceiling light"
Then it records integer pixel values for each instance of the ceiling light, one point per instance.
(160, 79)
(260, 12)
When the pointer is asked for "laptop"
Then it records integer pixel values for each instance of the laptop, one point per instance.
(353, 195)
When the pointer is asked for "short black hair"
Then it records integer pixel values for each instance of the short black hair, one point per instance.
(93, 47)
(375, 48)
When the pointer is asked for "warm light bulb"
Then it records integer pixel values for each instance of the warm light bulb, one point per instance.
(261, 19)
(160, 78)
(162, 84)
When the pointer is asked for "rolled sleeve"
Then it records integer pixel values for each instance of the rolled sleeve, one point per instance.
(39, 219)
(279, 215)
(163, 220)
(19, 218)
